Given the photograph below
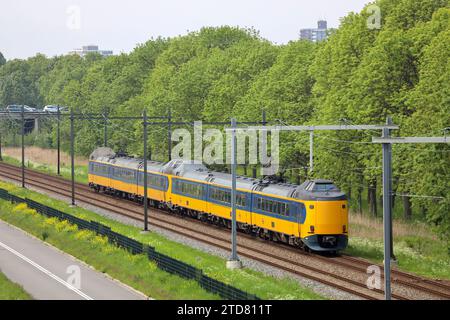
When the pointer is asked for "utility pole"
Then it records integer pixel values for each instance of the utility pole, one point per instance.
(1, 158)
(393, 258)
(311, 130)
(311, 151)
(58, 140)
(169, 133)
(23, 145)
(72, 155)
(105, 129)
(233, 262)
(386, 141)
(387, 214)
(144, 116)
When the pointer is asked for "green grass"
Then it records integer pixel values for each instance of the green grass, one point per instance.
(264, 286)
(134, 270)
(11, 291)
(416, 248)
(81, 171)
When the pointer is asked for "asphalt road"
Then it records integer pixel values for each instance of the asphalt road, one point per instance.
(48, 274)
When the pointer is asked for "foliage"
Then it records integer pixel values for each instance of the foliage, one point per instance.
(11, 291)
(2, 59)
(359, 75)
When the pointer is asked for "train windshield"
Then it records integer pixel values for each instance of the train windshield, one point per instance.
(324, 187)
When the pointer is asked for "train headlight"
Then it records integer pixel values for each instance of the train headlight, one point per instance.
(311, 229)
(344, 228)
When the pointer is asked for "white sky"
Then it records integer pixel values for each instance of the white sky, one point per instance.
(50, 26)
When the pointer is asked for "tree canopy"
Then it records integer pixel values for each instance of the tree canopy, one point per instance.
(359, 75)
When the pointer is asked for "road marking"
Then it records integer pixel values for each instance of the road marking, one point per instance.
(37, 266)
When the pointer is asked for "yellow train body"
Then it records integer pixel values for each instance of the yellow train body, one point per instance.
(320, 218)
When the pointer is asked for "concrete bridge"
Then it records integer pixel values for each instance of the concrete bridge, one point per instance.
(31, 118)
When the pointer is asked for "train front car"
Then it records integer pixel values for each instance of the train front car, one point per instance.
(326, 225)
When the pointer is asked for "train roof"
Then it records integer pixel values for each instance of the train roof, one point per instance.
(224, 179)
(313, 190)
(319, 189)
(109, 156)
(277, 189)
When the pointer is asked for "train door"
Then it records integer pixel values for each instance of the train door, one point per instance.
(300, 215)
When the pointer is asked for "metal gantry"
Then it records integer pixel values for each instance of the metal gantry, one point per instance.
(386, 129)
(73, 117)
(386, 141)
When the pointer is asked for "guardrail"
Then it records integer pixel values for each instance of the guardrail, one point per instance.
(133, 246)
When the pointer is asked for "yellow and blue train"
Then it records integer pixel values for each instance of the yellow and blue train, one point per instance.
(313, 215)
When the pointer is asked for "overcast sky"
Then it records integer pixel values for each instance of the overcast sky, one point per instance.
(54, 27)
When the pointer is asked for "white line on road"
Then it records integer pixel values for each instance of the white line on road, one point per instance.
(37, 266)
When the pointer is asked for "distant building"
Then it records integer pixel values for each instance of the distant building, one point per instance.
(91, 49)
(315, 35)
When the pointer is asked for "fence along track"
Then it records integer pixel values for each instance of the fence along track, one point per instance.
(164, 262)
(138, 215)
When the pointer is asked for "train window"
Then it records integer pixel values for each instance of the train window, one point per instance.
(99, 168)
(225, 196)
(241, 199)
(324, 187)
(153, 180)
(272, 206)
(188, 188)
(125, 174)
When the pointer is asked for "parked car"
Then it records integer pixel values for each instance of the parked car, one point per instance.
(54, 108)
(18, 108)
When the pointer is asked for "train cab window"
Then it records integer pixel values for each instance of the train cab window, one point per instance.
(324, 187)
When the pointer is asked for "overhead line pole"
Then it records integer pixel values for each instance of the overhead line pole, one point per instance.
(386, 141)
(23, 145)
(58, 140)
(144, 118)
(234, 262)
(72, 155)
(169, 132)
(386, 172)
(387, 214)
(311, 151)
(105, 129)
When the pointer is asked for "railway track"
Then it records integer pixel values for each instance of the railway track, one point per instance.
(247, 247)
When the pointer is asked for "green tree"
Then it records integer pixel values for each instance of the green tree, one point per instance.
(2, 59)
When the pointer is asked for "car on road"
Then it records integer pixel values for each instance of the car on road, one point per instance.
(18, 108)
(54, 108)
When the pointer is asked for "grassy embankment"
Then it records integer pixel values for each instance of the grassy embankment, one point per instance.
(417, 248)
(45, 160)
(137, 271)
(11, 291)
